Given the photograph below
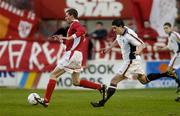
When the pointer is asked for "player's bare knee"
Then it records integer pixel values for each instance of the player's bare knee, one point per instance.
(143, 82)
(54, 75)
(75, 82)
(142, 79)
(75, 79)
(116, 79)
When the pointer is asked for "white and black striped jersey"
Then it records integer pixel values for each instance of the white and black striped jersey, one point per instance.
(128, 43)
(174, 42)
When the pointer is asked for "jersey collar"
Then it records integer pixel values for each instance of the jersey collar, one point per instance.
(75, 20)
(125, 31)
(170, 33)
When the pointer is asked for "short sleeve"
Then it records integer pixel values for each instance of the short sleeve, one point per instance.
(134, 40)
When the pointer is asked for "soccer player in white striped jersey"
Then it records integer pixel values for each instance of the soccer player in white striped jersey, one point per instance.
(174, 46)
(131, 48)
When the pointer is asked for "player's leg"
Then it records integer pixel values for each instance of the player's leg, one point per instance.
(171, 70)
(153, 76)
(169, 73)
(110, 92)
(52, 83)
(121, 75)
(85, 83)
(76, 62)
(172, 74)
(142, 78)
(50, 87)
(138, 72)
(174, 64)
(75, 78)
(112, 88)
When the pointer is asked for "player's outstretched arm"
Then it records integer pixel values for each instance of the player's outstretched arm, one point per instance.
(56, 37)
(106, 50)
(59, 37)
(66, 38)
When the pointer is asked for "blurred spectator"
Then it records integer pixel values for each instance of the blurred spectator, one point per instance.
(47, 28)
(148, 34)
(177, 20)
(178, 6)
(100, 32)
(85, 26)
(63, 29)
(131, 24)
(176, 28)
(22, 4)
(111, 36)
(89, 43)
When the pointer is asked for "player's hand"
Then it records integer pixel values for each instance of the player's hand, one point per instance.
(159, 48)
(63, 38)
(54, 37)
(57, 38)
(137, 52)
(104, 50)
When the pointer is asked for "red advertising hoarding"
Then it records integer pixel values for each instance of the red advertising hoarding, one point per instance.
(87, 9)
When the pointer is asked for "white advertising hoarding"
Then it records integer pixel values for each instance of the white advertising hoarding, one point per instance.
(8, 79)
(97, 71)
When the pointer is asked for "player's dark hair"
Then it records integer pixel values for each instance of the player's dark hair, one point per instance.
(118, 22)
(73, 12)
(100, 23)
(167, 24)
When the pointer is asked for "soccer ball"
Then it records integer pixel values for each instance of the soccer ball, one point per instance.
(31, 99)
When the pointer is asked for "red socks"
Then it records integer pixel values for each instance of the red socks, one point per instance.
(83, 83)
(89, 84)
(50, 88)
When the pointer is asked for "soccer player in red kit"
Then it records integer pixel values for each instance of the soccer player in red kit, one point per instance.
(72, 59)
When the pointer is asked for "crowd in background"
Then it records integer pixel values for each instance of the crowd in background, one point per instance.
(177, 20)
(99, 33)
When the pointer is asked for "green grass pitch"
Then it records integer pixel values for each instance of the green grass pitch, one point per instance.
(137, 102)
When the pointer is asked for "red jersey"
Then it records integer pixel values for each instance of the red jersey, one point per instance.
(78, 32)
